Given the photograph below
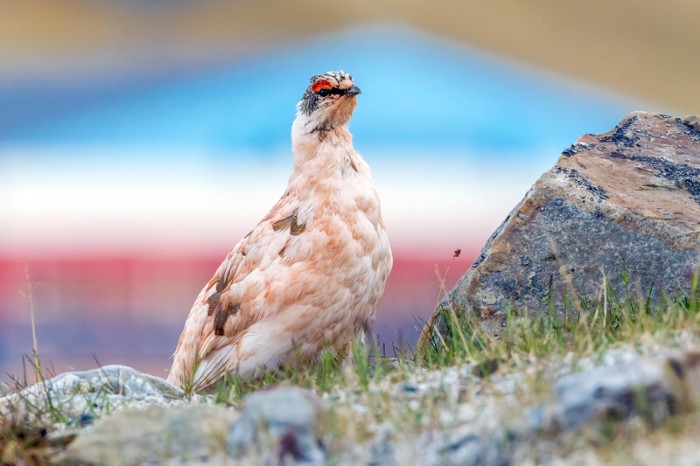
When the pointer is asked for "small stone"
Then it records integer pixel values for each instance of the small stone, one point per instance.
(382, 451)
(693, 121)
(472, 449)
(409, 388)
(281, 420)
(485, 368)
(177, 434)
(653, 388)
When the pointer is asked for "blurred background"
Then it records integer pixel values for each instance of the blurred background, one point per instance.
(141, 139)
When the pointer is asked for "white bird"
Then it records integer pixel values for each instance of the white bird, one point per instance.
(311, 274)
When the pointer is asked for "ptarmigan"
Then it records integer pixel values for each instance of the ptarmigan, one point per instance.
(310, 275)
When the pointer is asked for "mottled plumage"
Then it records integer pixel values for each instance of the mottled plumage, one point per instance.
(310, 275)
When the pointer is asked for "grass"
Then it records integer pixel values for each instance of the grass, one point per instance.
(22, 442)
(23, 428)
(595, 328)
(22, 432)
(387, 386)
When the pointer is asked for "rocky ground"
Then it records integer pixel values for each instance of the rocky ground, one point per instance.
(568, 410)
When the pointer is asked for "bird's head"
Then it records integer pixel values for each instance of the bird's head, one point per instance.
(328, 101)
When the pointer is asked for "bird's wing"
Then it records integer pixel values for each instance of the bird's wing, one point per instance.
(227, 305)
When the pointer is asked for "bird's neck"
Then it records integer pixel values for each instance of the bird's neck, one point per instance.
(312, 142)
(324, 161)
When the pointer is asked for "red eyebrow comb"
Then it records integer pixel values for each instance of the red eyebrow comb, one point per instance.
(317, 86)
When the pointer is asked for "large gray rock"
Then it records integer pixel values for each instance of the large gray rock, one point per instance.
(623, 202)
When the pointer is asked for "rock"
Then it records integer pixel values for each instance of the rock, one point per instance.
(276, 426)
(654, 388)
(194, 434)
(81, 397)
(284, 418)
(381, 451)
(473, 450)
(623, 202)
(693, 121)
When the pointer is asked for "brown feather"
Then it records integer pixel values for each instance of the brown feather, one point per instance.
(222, 316)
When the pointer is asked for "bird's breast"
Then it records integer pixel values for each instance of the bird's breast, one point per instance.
(340, 207)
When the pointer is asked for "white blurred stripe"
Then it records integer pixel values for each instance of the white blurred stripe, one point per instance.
(162, 202)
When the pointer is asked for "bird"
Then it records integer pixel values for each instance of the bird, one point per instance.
(310, 275)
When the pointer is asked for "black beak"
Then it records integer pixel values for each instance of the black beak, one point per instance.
(354, 90)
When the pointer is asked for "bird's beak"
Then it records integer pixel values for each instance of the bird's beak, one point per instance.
(354, 90)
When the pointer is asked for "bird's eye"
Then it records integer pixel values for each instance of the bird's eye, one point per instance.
(324, 92)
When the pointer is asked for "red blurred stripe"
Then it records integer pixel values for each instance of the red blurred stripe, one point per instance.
(130, 309)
